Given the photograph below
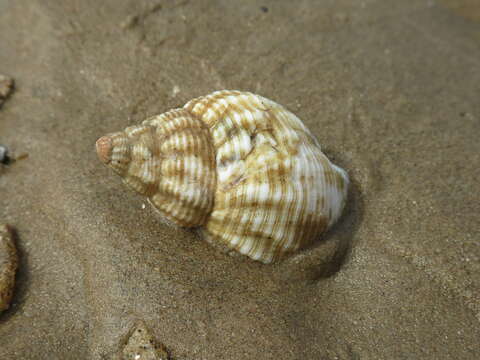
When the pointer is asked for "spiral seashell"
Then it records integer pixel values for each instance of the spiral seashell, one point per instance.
(239, 166)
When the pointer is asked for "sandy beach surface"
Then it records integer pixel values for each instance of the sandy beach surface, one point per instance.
(390, 88)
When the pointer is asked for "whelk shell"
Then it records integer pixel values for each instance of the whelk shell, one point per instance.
(239, 166)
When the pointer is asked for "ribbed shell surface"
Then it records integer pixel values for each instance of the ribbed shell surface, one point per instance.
(241, 166)
(170, 159)
(276, 191)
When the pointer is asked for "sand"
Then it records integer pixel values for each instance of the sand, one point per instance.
(390, 88)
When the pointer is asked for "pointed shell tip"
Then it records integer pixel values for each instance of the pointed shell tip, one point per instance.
(104, 149)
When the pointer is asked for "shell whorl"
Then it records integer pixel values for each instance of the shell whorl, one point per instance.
(170, 159)
(254, 171)
(276, 191)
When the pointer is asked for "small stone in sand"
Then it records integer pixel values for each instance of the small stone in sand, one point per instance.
(3, 154)
(8, 266)
(6, 87)
(141, 345)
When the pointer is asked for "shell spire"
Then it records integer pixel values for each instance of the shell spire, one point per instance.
(241, 166)
(170, 160)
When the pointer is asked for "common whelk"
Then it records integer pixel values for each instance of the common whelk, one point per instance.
(242, 168)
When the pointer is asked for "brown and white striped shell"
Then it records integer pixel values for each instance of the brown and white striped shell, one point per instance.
(239, 166)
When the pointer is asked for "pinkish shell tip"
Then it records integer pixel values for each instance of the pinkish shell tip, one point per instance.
(104, 149)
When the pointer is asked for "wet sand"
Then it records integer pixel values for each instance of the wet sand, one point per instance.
(391, 90)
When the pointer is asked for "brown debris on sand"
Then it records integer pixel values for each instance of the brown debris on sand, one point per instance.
(6, 87)
(8, 266)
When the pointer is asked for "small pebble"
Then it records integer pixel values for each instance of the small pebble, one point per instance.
(6, 87)
(141, 345)
(8, 266)
(3, 154)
